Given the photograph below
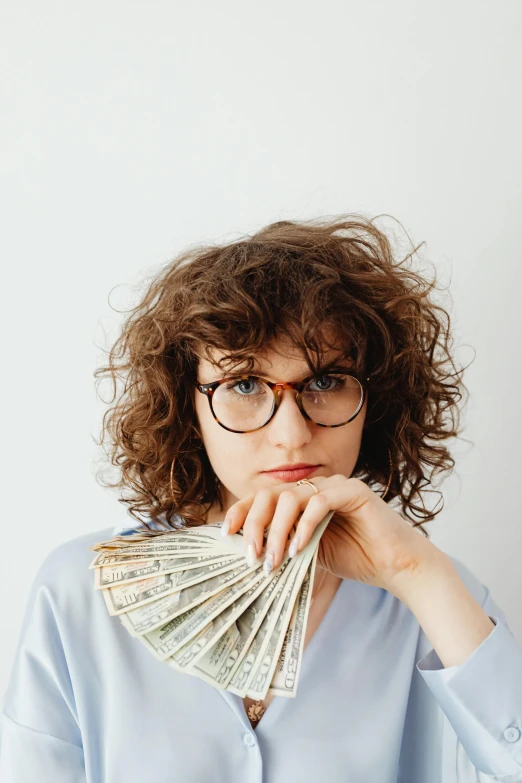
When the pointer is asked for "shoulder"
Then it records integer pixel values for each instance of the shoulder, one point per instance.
(72, 554)
(64, 575)
(62, 606)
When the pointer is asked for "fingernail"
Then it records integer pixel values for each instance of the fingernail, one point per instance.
(268, 563)
(251, 555)
(292, 550)
(225, 527)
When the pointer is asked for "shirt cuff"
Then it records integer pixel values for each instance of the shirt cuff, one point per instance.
(482, 699)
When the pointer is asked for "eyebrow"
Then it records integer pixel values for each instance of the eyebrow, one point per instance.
(333, 366)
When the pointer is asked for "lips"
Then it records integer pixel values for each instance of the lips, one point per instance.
(293, 466)
(292, 475)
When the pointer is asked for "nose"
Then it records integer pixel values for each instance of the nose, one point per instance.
(288, 427)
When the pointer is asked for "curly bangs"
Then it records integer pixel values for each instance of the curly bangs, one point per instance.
(297, 280)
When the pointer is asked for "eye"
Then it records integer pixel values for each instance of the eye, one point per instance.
(238, 387)
(328, 382)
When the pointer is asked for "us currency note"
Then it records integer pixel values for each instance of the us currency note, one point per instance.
(268, 653)
(122, 542)
(266, 646)
(221, 661)
(189, 654)
(133, 572)
(167, 640)
(160, 550)
(118, 599)
(238, 683)
(150, 616)
(193, 601)
(259, 682)
(205, 534)
(128, 557)
(286, 675)
(138, 550)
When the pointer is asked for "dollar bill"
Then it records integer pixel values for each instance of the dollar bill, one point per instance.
(190, 652)
(120, 598)
(205, 534)
(133, 572)
(168, 639)
(140, 550)
(265, 648)
(152, 615)
(124, 558)
(259, 682)
(239, 682)
(190, 597)
(286, 675)
(162, 550)
(220, 662)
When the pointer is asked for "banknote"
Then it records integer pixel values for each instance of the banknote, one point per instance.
(120, 598)
(244, 672)
(286, 675)
(152, 615)
(164, 550)
(132, 572)
(266, 646)
(220, 662)
(168, 639)
(191, 651)
(128, 557)
(205, 534)
(260, 681)
(189, 596)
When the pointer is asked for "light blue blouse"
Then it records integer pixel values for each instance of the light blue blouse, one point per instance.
(88, 703)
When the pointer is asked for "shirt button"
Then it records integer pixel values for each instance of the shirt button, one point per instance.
(512, 734)
(249, 740)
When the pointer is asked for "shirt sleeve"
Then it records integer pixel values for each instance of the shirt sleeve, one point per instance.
(28, 755)
(482, 699)
(41, 738)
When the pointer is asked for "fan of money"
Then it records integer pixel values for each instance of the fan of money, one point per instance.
(189, 596)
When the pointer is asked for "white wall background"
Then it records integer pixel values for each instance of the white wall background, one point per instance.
(131, 129)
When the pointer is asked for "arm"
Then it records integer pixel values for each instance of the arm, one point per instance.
(450, 617)
(41, 739)
(474, 670)
(27, 756)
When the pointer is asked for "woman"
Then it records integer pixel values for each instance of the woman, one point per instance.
(409, 671)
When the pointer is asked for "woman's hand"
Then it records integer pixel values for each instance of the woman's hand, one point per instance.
(365, 540)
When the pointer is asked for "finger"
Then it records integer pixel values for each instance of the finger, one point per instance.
(256, 521)
(236, 514)
(289, 504)
(345, 496)
(316, 509)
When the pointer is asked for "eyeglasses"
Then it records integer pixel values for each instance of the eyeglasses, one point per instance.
(240, 409)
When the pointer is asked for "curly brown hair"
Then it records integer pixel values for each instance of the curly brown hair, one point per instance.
(292, 279)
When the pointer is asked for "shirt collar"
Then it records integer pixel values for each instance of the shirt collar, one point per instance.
(156, 523)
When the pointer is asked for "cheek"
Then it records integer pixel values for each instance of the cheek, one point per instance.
(345, 442)
(220, 444)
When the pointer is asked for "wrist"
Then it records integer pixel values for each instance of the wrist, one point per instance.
(453, 621)
(411, 584)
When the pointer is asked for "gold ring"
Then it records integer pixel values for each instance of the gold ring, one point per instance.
(307, 481)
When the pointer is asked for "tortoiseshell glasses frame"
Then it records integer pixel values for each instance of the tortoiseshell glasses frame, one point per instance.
(277, 388)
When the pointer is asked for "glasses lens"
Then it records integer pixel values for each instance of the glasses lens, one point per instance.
(243, 404)
(246, 403)
(333, 398)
